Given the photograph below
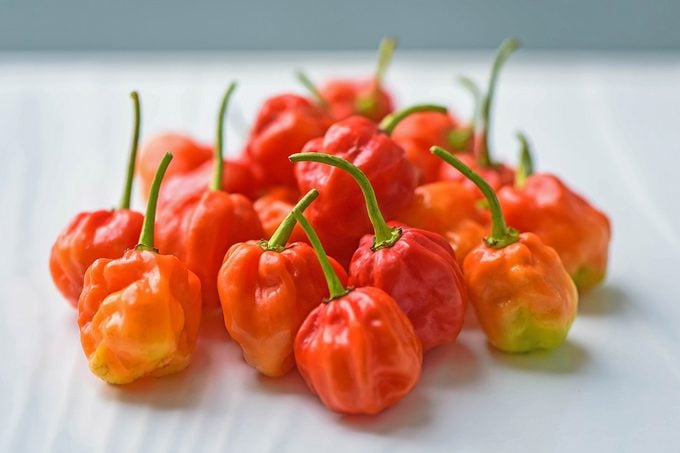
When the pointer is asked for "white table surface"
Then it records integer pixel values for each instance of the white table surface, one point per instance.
(609, 125)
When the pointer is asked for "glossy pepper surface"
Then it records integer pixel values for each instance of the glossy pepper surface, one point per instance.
(338, 215)
(523, 297)
(105, 233)
(139, 314)
(543, 204)
(199, 229)
(357, 351)
(267, 289)
(417, 268)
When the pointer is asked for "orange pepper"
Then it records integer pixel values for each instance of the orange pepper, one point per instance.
(139, 314)
(357, 351)
(274, 206)
(267, 289)
(106, 233)
(523, 296)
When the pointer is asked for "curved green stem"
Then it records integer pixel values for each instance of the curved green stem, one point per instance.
(216, 182)
(483, 154)
(335, 288)
(390, 122)
(280, 237)
(385, 236)
(127, 190)
(385, 53)
(146, 239)
(501, 235)
(526, 163)
(313, 90)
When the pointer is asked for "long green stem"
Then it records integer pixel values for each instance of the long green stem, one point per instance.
(483, 153)
(385, 236)
(280, 237)
(335, 288)
(216, 183)
(127, 190)
(501, 235)
(526, 163)
(385, 53)
(390, 122)
(146, 239)
(313, 90)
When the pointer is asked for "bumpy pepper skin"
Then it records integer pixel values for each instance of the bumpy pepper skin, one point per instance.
(200, 229)
(359, 353)
(523, 297)
(188, 155)
(451, 210)
(266, 295)
(565, 221)
(366, 97)
(283, 126)
(421, 274)
(274, 206)
(139, 316)
(91, 235)
(339, 215)
(498, 175)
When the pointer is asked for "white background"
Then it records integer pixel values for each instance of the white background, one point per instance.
(609, 125)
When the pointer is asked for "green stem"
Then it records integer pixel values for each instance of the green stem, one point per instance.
(127, 190)
(483, 153)
(313, 90)
(390, 122)
(472, 88)
(280, 237)
(526, 163)
(501, 235)
(146, 239)
(216, 183)
(335, 288)
(385, 236)
(385, 53)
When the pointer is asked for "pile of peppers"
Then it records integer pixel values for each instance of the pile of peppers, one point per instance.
(347, 240)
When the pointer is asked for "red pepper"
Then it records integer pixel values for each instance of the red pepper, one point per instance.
(267, 289)
(284, 124)
(199, 228)
(543, 204)
(416, 267)
(338, 216)
(274, 206)
(106, 233)
(357, 351)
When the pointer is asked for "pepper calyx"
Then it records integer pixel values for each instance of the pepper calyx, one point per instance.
(395, 235)
(511, 236)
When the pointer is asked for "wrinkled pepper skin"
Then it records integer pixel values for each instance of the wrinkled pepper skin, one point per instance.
(188, 156)
(451, 210)
(200, 229)
(266, 295)
(359, 353)
(523, 297)
(273, 207)
(339, 215)
(139, 316)
(89, 236)
(497, 176)
(366, 97)
(565, 221)
(283, 126)
(421, 274)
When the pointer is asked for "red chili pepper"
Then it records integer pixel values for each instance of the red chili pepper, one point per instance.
(338, 216)
(357, 351)
(199, 228)
(139, 314)
(542, 204)
(106, 233)
(416, 267)
(274, 206)
(284, 124)
(522, 294)
(267, 289)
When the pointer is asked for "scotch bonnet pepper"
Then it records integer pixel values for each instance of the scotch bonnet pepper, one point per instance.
(199, 229)
(417, 268)
(105, 233)
(357, 350)
(522, 295)
(267, 289)
(139, 314)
